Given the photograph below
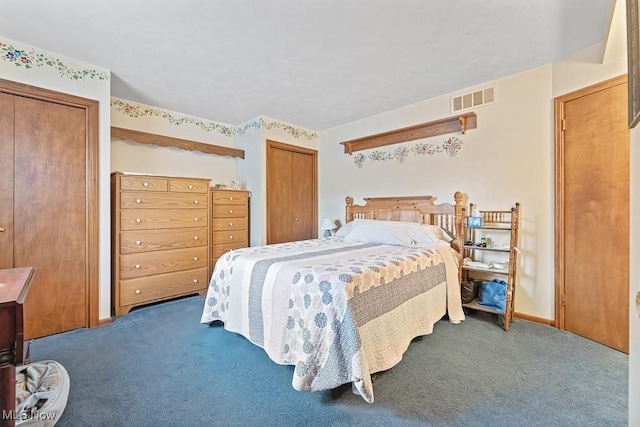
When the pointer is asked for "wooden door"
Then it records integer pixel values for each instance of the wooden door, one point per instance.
(6, 180)
(291, 193)
(279, 202)
(592, 213)
(54, 203)
(304, 225)
(50, 213)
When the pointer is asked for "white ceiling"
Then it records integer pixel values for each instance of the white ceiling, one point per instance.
(312, 63)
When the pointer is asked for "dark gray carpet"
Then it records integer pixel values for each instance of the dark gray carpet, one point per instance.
(159, 366)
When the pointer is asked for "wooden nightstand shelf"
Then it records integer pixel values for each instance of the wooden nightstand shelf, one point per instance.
(486, 258)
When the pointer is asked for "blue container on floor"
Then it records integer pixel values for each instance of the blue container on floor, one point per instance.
(493, 295)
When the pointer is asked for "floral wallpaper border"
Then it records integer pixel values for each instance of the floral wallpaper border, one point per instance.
(261, 123)
(451, 146)
(29, 59)
(137, 111)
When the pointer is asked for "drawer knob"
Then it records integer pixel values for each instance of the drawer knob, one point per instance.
(137, 242)
(230, 210)
(145, 184)
(1, 229)
(195, 280)
(138, 200)
(195, 219)
(137, 266)
(138, 220)
(138, 291)
(195, 237)
(230, 224)
(195, 258)
(295, 219)
(195, 202)
(189, 186)
(230, 237)
(230, 198)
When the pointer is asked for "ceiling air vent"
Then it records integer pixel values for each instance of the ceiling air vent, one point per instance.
(473, 99)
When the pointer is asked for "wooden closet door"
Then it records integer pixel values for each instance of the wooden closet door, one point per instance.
(6, 180)
(279, 196)
(51, 213)
(592, 211)
(291, 193)
(302, 196)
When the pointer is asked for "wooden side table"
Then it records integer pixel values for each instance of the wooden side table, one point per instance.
(14, 285)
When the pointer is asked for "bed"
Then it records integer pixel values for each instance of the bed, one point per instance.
(342, 308)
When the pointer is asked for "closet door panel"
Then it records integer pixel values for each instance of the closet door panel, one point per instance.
(302, 196)
(51, 214)
(6, 180)
(279, 181)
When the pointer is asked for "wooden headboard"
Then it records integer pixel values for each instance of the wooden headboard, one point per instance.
(410, 209)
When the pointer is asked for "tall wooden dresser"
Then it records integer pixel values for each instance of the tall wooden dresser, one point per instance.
(160, 241)
(229, 222)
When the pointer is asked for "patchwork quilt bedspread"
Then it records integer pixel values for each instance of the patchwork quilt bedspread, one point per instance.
(337, 311)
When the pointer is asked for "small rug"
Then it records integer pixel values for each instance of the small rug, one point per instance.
(42, 390)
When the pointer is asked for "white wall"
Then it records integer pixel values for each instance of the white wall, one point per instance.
(94, 85)
(129, 156)
(634, 256)
(252, 174)
(507, 159)
(584, 69)
(634, 294)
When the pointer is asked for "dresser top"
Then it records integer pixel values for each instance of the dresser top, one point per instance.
(223, 190)
(14, 284)
(157, 175)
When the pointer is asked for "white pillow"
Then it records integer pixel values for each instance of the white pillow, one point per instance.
(345, 229)
(349, 226)
(386, 232)
(436, 232)
(422, 237)
(382, 222)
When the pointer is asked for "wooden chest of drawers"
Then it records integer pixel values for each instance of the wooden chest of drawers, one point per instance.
(160, 238)
(229, 222)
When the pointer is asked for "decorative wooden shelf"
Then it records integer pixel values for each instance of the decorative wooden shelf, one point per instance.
(453, 124)
(167, 141)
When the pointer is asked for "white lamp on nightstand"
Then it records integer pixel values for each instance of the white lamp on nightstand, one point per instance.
(328, 225)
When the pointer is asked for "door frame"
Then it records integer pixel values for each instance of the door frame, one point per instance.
(91, 109)
(271, 144)
(559, 205)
